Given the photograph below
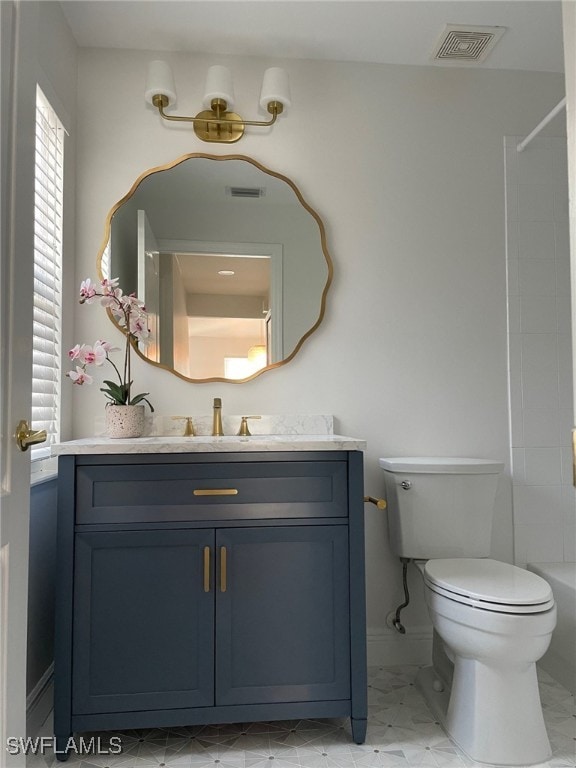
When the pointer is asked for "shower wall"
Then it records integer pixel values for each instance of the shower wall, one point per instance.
(540, 350)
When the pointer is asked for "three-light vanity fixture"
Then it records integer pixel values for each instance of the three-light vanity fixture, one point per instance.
(216, 122)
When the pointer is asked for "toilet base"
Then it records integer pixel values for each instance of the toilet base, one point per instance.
(437, 700)
(529, 746)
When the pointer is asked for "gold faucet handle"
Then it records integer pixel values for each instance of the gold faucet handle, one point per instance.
(244, 431)
(189, 428)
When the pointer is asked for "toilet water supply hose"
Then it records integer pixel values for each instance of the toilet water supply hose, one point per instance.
(396, 623)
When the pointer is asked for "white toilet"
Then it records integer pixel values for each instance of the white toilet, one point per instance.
(494, 620)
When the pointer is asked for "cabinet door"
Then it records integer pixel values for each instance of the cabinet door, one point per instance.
(282, 625)
(143, 622)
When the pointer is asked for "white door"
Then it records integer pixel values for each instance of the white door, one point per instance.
(16, 292)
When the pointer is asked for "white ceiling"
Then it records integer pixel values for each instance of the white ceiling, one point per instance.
(383, 31)
(200, 274)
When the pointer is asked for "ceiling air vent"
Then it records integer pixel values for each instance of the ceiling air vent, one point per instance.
(250, 192)
(465, 44)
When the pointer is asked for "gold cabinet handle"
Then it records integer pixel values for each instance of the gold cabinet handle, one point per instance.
(223, 569)
(215, 491)
(380, 503)
(25, 437)
(206, 569)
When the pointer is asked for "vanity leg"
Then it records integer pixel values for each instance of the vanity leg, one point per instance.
(61, 749)
(359, 726)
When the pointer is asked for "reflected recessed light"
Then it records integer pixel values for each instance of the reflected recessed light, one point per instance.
(226, 272)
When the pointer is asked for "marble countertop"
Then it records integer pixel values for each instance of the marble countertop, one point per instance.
(209, 444)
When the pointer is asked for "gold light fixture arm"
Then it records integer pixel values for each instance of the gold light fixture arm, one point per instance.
(275, 108)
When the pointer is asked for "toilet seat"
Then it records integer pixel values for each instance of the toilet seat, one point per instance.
(488, 585)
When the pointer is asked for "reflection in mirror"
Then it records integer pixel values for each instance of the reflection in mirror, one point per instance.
(229, 260)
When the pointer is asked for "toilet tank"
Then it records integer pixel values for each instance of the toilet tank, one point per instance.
(440, 507)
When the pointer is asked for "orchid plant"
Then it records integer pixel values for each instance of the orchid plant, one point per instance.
(131, 316)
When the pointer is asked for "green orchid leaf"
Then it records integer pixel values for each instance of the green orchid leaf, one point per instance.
(138, 398)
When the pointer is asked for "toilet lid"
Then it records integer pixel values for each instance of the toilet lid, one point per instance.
(489, 584)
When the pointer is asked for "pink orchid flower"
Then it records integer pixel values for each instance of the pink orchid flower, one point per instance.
(74, 353)
(87, 291)
(110, 285)
(79, 376)
(82, 353)
(111, 297)
(96, 355)
(130, 315)
(105, 345)
(139, 327)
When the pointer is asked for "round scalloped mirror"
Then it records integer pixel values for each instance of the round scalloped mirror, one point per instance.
(230, 261)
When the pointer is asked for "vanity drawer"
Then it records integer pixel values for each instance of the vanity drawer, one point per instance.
(210, 491)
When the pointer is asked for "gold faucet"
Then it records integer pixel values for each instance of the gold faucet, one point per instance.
(244, 431)
(217, 420)
(189, 428)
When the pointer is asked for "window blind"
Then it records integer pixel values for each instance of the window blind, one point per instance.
(48, 201)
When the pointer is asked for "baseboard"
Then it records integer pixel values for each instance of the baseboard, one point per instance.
(388, 648)
(39, 702)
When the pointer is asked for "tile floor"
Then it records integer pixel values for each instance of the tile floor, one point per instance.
(401, 732)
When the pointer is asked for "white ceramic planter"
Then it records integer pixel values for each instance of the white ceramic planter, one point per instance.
(125, 420)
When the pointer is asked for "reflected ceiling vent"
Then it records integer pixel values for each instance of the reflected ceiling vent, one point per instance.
(249, 192)
(466, 45)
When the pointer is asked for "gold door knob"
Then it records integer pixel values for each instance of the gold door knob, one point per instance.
(25, 437)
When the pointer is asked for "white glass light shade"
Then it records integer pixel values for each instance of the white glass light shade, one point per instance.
(160, 81)
(219, 86)
(275, 87)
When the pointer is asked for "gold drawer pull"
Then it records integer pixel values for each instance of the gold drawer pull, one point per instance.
(223, 569)
(215, 492)
(206, 569)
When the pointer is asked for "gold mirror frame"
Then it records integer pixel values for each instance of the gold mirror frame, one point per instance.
(305, 205)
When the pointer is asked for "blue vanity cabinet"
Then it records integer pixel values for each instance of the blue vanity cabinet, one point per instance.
(143, 624)
(282, 622)
(205, 588)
